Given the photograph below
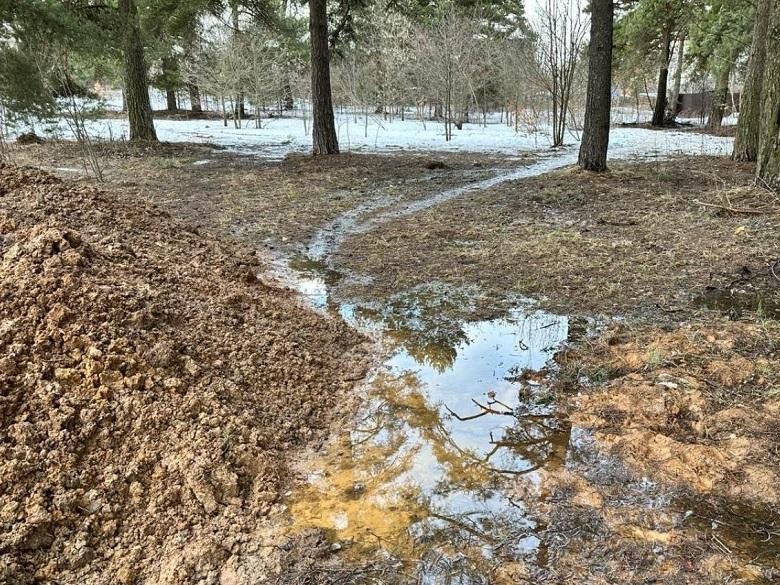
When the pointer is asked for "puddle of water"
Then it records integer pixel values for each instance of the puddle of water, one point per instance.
(735, 302)
(446, 434)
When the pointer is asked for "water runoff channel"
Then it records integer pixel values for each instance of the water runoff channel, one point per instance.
(451, 439)
(444, 466)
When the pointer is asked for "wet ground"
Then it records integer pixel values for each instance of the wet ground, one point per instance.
(619, 428)
(457, 462)
(451, 419)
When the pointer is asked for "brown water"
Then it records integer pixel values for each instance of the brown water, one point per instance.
(449, 445)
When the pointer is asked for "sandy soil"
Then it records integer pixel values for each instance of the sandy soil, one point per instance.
(152, 391)
(673, 469)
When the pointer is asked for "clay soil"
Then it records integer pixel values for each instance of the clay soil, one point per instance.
(152, 391)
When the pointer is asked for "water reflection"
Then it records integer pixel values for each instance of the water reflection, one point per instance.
(426, 322)
(443, 438)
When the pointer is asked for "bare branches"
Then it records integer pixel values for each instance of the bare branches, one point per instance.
(562, 29)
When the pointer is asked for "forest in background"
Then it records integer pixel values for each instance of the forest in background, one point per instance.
(455, 62)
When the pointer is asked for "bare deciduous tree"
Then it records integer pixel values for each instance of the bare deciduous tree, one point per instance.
(561, 27)
(453, 58)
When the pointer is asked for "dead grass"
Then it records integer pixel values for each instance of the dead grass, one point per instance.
(643, 239)
(260, 202)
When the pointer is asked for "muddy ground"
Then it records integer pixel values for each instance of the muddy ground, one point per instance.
(644, 239)
(152, 391)
(266, 204)
(672, 394)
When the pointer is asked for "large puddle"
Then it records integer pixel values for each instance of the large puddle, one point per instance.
(452, 437)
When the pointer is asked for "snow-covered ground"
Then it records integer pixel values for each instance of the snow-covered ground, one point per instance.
(281, 136)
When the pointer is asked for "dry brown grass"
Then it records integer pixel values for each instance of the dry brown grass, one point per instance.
(636, 240)
(261, 202)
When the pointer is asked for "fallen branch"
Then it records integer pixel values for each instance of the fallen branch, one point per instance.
(736, 209)
(485, 410)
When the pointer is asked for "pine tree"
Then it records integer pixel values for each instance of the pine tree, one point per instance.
(324, 138)
(649, 29)
(595, 135)
(746, 142)
(768, 170)
(139, 109)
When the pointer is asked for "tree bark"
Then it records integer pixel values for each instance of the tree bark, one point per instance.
(674, 96)
(170, 100)
(324, 138)
(768, 169)
(169, 70)
(719, 98)
(139, 108)
(195, 104)
(749, 125)
(598, 105)
(659, 113)
(288, 95)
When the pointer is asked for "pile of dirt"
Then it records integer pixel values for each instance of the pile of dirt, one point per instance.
(151, 390)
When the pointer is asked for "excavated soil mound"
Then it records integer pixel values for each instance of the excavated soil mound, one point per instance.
(150, 390)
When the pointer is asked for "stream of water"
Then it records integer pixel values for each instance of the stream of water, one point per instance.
(454, 433)
(445, 465)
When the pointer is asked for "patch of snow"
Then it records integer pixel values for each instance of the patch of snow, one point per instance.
(282, 136)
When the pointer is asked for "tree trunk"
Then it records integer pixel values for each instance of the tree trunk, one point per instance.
(674, 97)
(719, 97)
(169, 70)
(659, 112)
(749, 125)
(324, 127)
(195, 104)
(768, 170)
(598, 105)
(288, 96)
(139, 109)
(170, 100)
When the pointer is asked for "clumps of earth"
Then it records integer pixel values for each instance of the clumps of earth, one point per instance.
(152, 390)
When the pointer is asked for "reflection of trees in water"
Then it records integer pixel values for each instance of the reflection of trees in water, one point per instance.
(427, 322)
(403, 415)
(402, 418)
